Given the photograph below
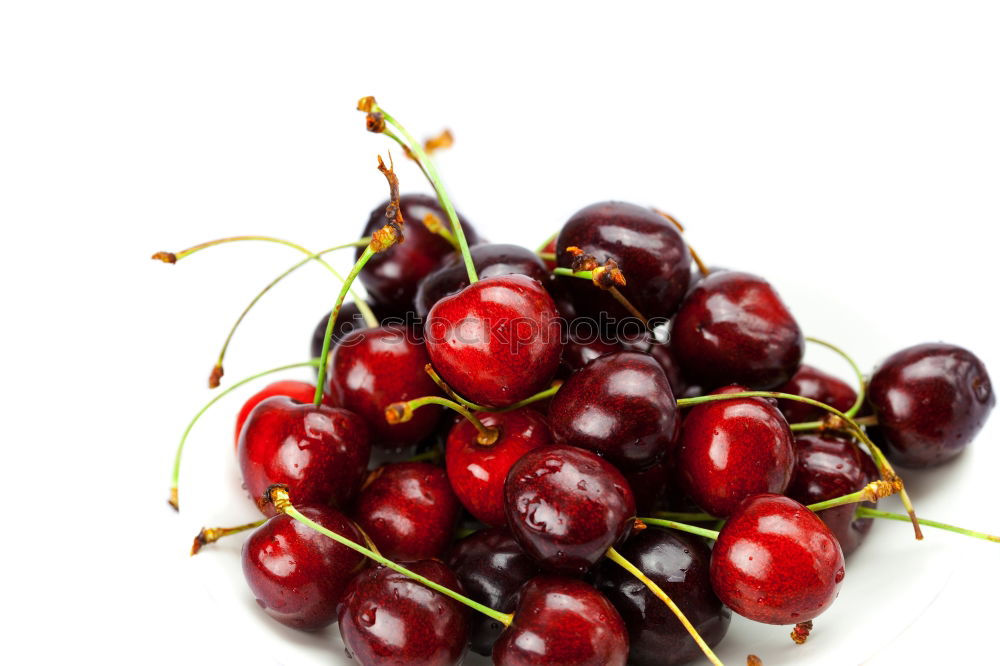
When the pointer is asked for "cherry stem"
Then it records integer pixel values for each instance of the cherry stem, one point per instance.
(858, 401)
(546, 256)
(401, 412)
(209, 535)
(279, 497)
(685, 516)
(885, 468)
(187, 431)
(430, 171)
(541, 395)
(872, 492)
(867, 512)
(618, 295)
(541, 248)
(617, 558)
(435, 226)
(702, 268)
(683, 527)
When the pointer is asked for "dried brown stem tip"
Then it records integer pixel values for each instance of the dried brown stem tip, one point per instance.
(581, 260)
(366, 104)
(213, 379)
(440, 142)
(876, 490)
(172, 500)
(392, 232)
(375, 122)
(206, 536)
(608, 275)
(398, 412)
(165, 257)
(801, 632)
(754, 660)
(276, 494)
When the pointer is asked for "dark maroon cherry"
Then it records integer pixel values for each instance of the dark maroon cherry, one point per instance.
(621, 406)
(477, 472)
(296, 390)
(734, 329)
(490, 259)
(386, 618)
(649, 250)
(348, 319)
(297, 574)
(562, 622)
(931, 400)
(826, 467)
(408, 510)
(492, 568)
(649, 485)
(579, 352)
(372, 368)
(732, 449)
(679, 564)
(810, 382)
(391, 277)
(320, 453)
(566, 507)
(495, 342)
(775, 562)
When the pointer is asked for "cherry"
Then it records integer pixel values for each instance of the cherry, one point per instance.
(648, 485)
(374, 367)
(810, 382)
(296, 574)
(733, 328)
(578, 353)
(391, 277)
(648, 249)
(731, 449)
(828, 466)
(619, 405)
(497, 341)
(776, 562)
(566, 507)
(348, 319)
(550, 248)
(930, 400)
(386, 618)
(679, 564)
(562, 622)
(477, 472)
(321, 453)
(408, 510)
(490, 259)
(296, 390)
(492, 568)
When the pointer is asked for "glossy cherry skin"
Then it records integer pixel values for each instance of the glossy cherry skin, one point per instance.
(566, 506)
(320, 453)
(477, 472)
(562, 622)
(775, 562)
(649, 250)
(296, 390)
(621, 406)
(348, 319)
(408, 510)
(372, 368)
(386, 618)
(391, 277)
(495, 342)
(492, 568)
(931, 400)
(490, 260)
(577, 353)
(732, 449)
(648, 485)
(297, 574)
(734, 329)
(828, 466)
(810, 382)
(679, 564)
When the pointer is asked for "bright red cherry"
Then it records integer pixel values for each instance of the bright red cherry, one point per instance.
(408, 510)
(296, 390)
(297, 574)
(733, 328)
(566, 506)
(386, 618)
(320, 453)
(391, 277)
(477, 472)
(931, 400)
(372, 368)
(648, 248)
(348, 319)
(562, 622)
(731, 449)
(497, 341)
(619, 405)
(826, 467)
(810, 382)
(775, 562)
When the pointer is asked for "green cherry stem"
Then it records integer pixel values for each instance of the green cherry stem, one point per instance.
(867, 512)
(657, 591)
(546, 256)
(175, 475)
(685, 516)
(597, 277)
(682, 527)
(872, 492)
(541, 395)
(401, 412)
(278, 495)
(541, 248)
(858, 401)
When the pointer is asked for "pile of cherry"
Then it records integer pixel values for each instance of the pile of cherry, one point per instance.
(593, 464)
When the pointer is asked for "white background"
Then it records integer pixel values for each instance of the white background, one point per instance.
(851, 148)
